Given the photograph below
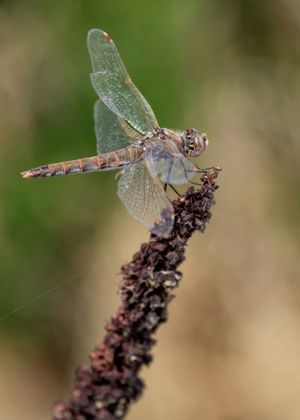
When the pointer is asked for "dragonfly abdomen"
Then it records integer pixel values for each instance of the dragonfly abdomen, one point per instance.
(107, 161)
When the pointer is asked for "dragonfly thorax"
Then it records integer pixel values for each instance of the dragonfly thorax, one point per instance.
(194, 143)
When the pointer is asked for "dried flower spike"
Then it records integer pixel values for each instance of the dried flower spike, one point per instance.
(106, 388)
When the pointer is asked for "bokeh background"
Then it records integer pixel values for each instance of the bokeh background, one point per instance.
(230, 350)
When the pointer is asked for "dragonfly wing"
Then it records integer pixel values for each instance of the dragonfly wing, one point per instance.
(111, 133)
(131, 132)
(164, 160)
(143, 197)
(114, 86)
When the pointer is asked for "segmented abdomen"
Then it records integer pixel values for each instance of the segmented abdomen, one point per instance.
(107, 161)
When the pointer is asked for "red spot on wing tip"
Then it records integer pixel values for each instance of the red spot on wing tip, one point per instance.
(108, 37)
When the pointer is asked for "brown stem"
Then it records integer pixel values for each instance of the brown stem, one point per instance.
(106, 388)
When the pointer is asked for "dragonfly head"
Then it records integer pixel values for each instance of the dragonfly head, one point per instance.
(194, 143)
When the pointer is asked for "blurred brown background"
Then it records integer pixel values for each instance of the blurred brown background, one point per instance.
(230, 350)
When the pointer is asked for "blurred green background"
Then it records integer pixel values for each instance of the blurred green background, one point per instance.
(230, 350)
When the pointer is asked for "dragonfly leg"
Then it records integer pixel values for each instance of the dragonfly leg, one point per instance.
(204, 170)
(171, 186)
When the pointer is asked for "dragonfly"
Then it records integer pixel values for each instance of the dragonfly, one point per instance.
(130, 139)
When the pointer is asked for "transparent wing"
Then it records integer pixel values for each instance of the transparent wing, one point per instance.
(114, 86)
(143, 197)
(163, 159)
(131, 132)
(111, 133)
